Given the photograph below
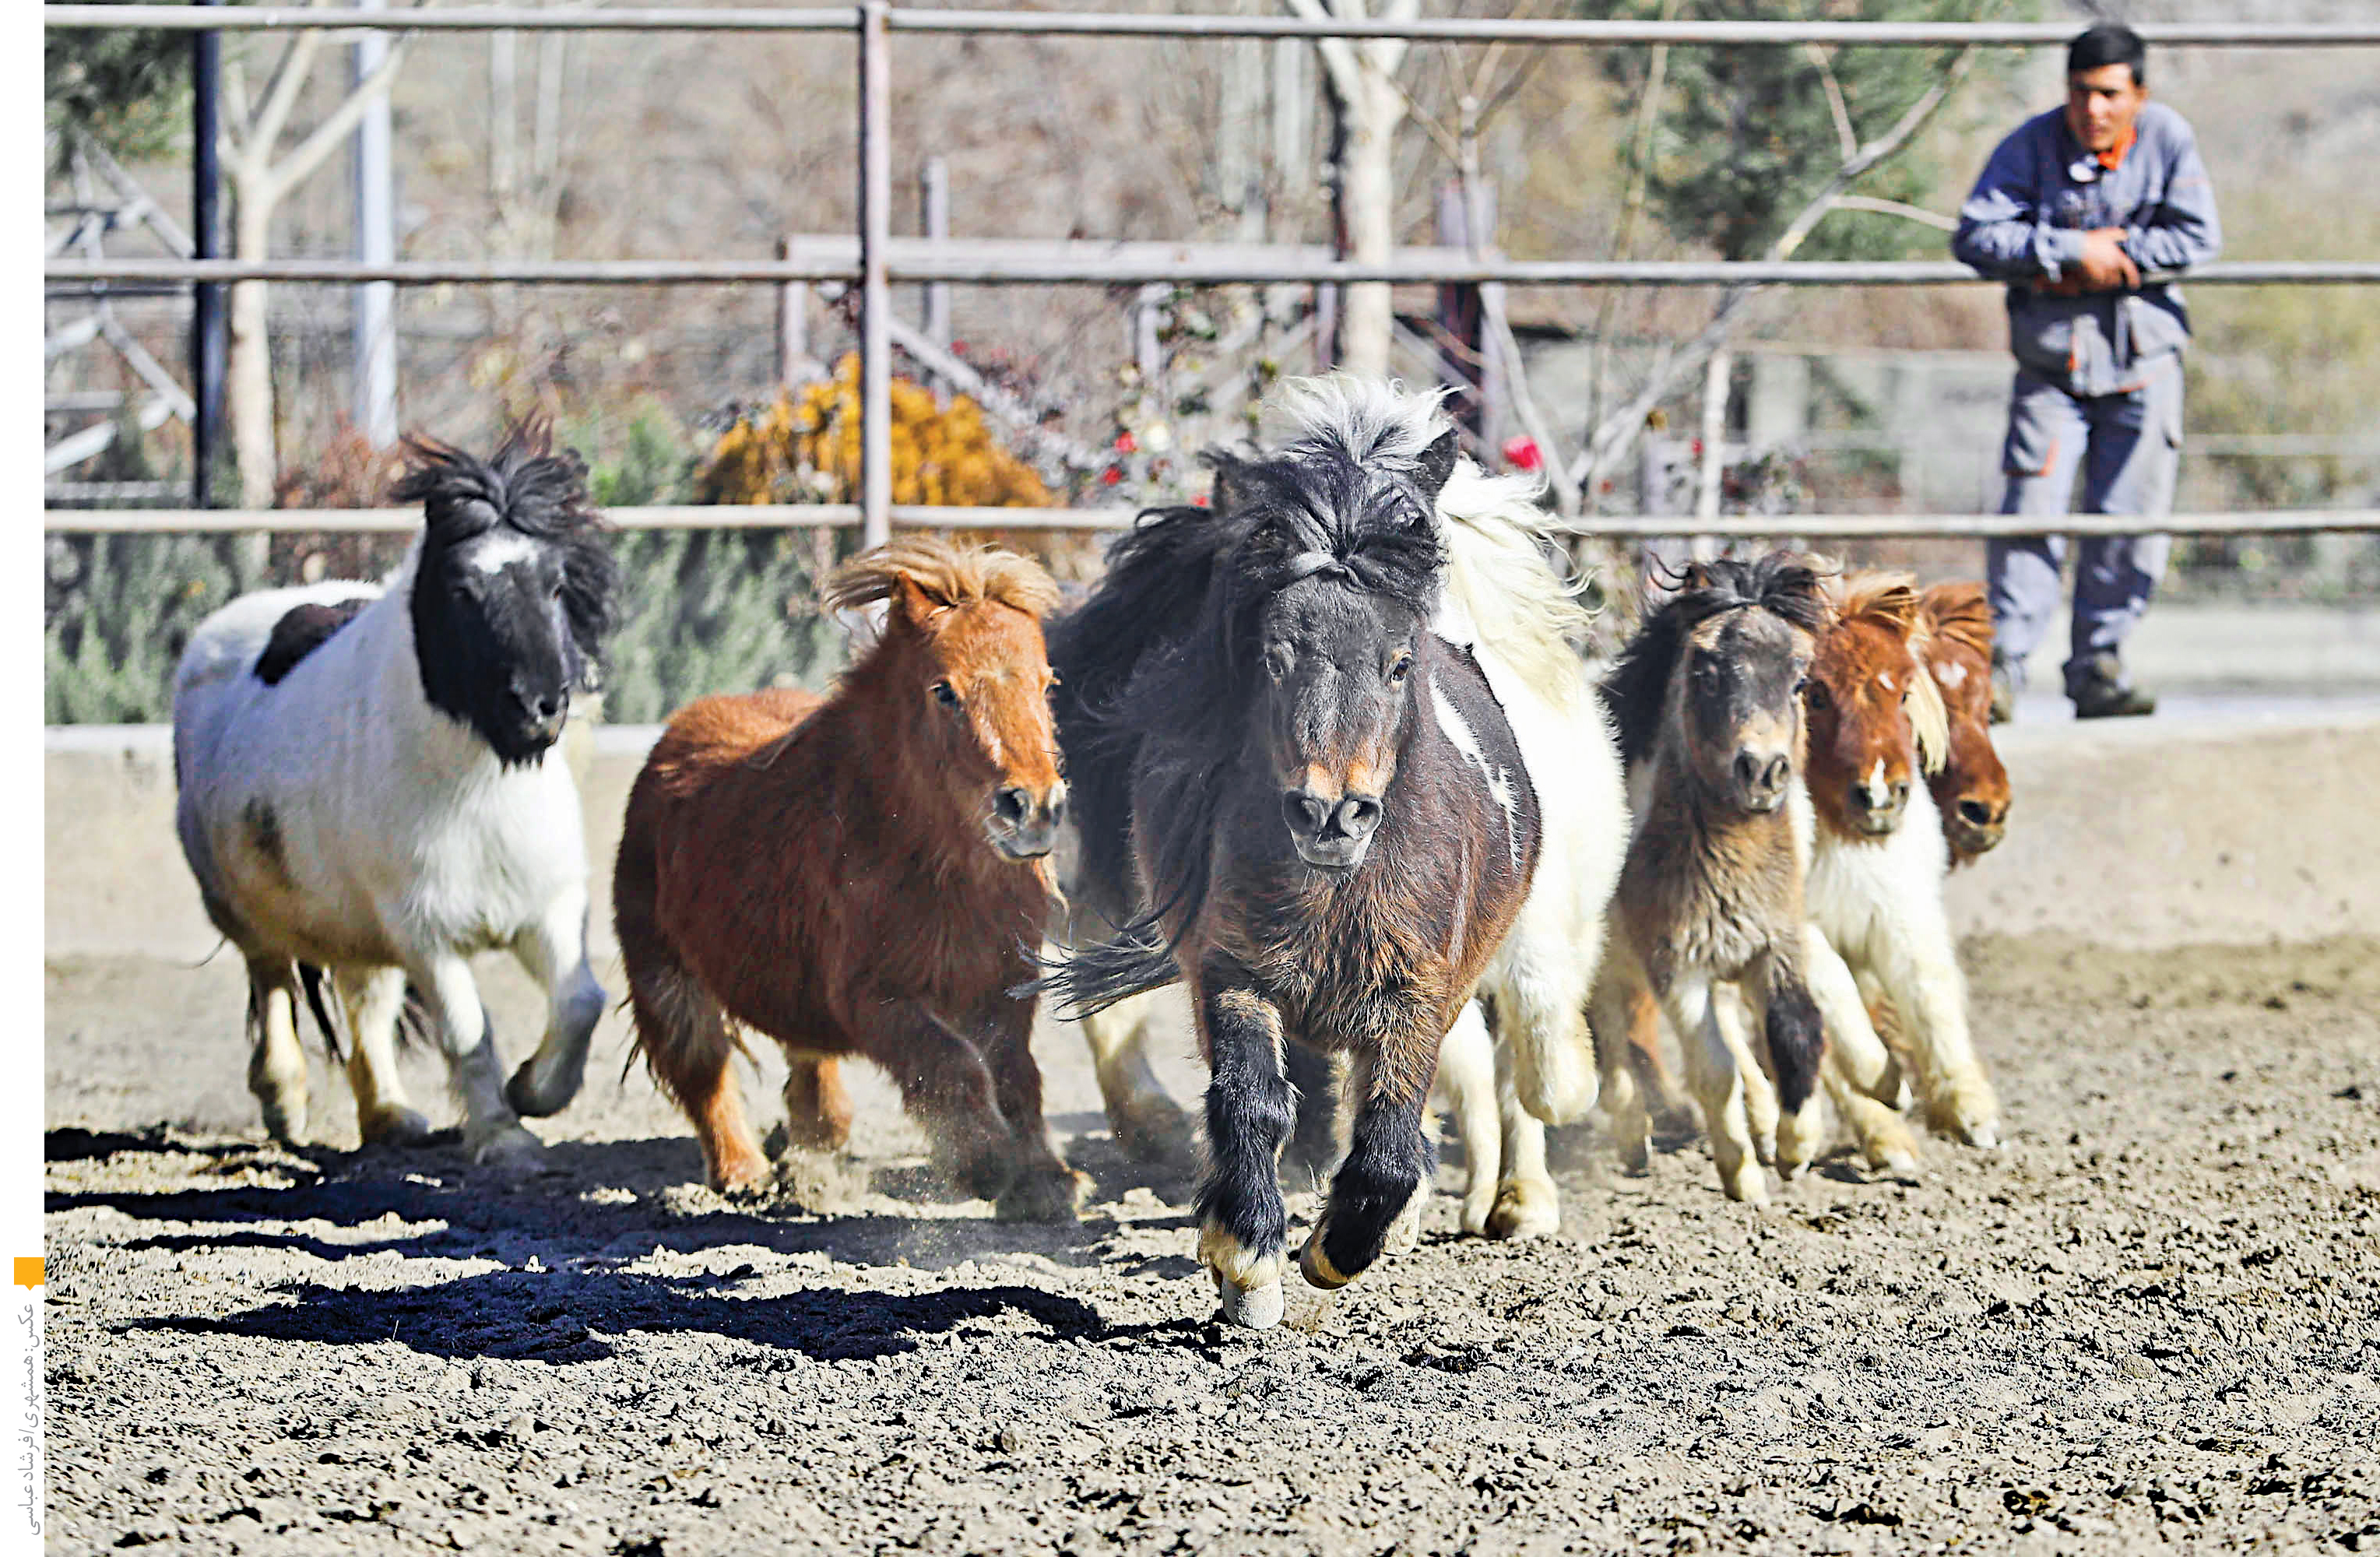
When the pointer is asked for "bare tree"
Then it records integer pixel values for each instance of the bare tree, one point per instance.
(1363, 74)
(261, 175)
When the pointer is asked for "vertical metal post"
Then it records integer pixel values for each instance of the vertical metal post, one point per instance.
(794, 362)
(875, 287)
(375, 302)
(934, 202)
(207, 344)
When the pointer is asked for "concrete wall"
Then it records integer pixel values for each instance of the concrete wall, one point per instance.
(2141, 832)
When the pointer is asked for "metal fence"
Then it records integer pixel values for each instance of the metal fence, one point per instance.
(881, 260)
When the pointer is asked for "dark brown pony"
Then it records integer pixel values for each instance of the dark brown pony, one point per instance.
(1309, 807)
(862, 874)
(1972, 790)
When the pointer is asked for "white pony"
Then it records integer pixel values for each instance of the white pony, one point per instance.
(365, 789)
(1505, 603)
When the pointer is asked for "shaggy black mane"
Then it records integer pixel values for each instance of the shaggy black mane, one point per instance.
(1154, 667)
(1787, 583)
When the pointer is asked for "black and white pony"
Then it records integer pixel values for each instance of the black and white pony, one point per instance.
(368, 797)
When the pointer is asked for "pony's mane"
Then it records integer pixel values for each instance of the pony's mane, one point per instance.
(1888, 600)
(1376, 422)
(1502, 589)
(1960, 613)
(946, 574)
(523, 486)
(1785, 583)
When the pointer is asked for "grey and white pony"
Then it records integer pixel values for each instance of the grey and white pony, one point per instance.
(368, 793)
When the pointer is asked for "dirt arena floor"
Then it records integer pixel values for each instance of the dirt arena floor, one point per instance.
(2153, 1317)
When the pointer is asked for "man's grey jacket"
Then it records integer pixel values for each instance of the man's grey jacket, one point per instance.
(2024, 223)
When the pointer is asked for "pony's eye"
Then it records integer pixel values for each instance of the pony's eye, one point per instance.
(1398, 672)
(1815, 693)
(1276, 661)
(946, 695)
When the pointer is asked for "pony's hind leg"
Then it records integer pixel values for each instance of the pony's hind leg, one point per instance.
(1387, 1161)
(1855, 1063)
(1624, 1017)
(554, 952)
(686, 1044)
(1527, 1205)
(1465, 1087)
(491, 1132)
(818, 1109)
(1250, 1110)
(1149, 1127)
(374, 999)
(276, 1066)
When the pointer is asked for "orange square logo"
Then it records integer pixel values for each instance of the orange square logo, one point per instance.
(29, 1271)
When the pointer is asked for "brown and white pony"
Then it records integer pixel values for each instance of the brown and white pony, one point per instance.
(1708, 700)
(862, 874)
(1878, 725)
(1972, 790)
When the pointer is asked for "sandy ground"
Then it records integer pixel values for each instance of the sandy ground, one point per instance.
(2154, 1316)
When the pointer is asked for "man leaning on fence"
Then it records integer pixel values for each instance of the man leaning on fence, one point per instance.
(2073, 210)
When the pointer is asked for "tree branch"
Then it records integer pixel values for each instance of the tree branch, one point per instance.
(1845, 135)
(281, 92)
(1337, 56)
(1619, 429)
(1896, 207)
(327, 135)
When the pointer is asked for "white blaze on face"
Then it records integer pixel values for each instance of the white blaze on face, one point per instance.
(1499, 780)
(1875, 786)
(499, 551)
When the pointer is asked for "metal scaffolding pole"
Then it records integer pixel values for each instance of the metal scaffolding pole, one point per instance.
(207, 344)
(875, 281)
(374, 407)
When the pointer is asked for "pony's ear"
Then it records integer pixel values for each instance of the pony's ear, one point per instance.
(1437, 463)
(1231, 485)
(912, 604)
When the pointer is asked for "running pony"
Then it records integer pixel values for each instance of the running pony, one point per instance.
(1972, 790)
(863, 875)
(1707, 697)
(1314, 807)
(366, 790)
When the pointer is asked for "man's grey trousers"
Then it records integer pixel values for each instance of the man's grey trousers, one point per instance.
(2127, 447)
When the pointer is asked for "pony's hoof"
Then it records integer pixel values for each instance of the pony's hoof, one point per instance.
(509, 1146)
(1256, 1307)
(1316, 1267)
(1046, 1196)
(1156, 1131)
(1523, 1211)
(395, 1126)
(285, 1124)
(1404, 1234)
(524, 1097)
(1899, 1165)
(1984, 1134)
(1747, 1184)
(1635, 1156)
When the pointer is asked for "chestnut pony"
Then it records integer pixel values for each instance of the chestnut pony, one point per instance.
(862, 874)
(1878, 862)
(1972, 790)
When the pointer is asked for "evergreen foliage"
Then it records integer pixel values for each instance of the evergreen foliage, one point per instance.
(128, 90)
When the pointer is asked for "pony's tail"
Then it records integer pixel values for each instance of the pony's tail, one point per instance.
(313, 980)
(1135, 961)
(1796, 1034)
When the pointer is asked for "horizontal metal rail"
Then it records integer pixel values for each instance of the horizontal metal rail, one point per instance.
(1110, 24)
(846, 515)
(915, 262)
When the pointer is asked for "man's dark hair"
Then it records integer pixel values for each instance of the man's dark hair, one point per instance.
(2110, 44)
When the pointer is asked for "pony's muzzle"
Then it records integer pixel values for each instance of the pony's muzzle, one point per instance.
(1979, 824)
(1331, 833)
(539, 716)
(1025, 827)
(1879, 807)
(1761, 778)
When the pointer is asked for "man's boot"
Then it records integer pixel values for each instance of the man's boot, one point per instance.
(2099, 690)
(2003, 691)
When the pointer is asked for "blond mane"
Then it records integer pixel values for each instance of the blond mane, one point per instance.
(946, 574)
(1889, 599)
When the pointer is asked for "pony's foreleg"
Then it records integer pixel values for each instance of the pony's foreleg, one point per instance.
(1466, 1085)
(1250, 1110)
(1540, 980)
(1919, 970)
(1527, 1206)
(1752, 1065)
(276, 1066)
(373, 998)
(1148, 1125)
(1622, 1005)
(491, 1132)
(1387, 1161)
(1717, 1084)
(1856, 1060)
(1044, 1190)
(554, 952)
(947, 1086)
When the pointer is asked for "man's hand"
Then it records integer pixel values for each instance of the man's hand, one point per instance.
(2103, 265)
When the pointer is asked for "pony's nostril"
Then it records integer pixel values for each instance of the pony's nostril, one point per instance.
(1898, 791)
(1057, 808)
(1010, 804)
(1359, 816)
(1303, 812)
(1747, 770)
(1976, 813)
(1778, 771)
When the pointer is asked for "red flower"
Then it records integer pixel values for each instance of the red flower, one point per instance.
(1199, 500)
(1522, 454)
(1111, 475)
(1127, 443)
